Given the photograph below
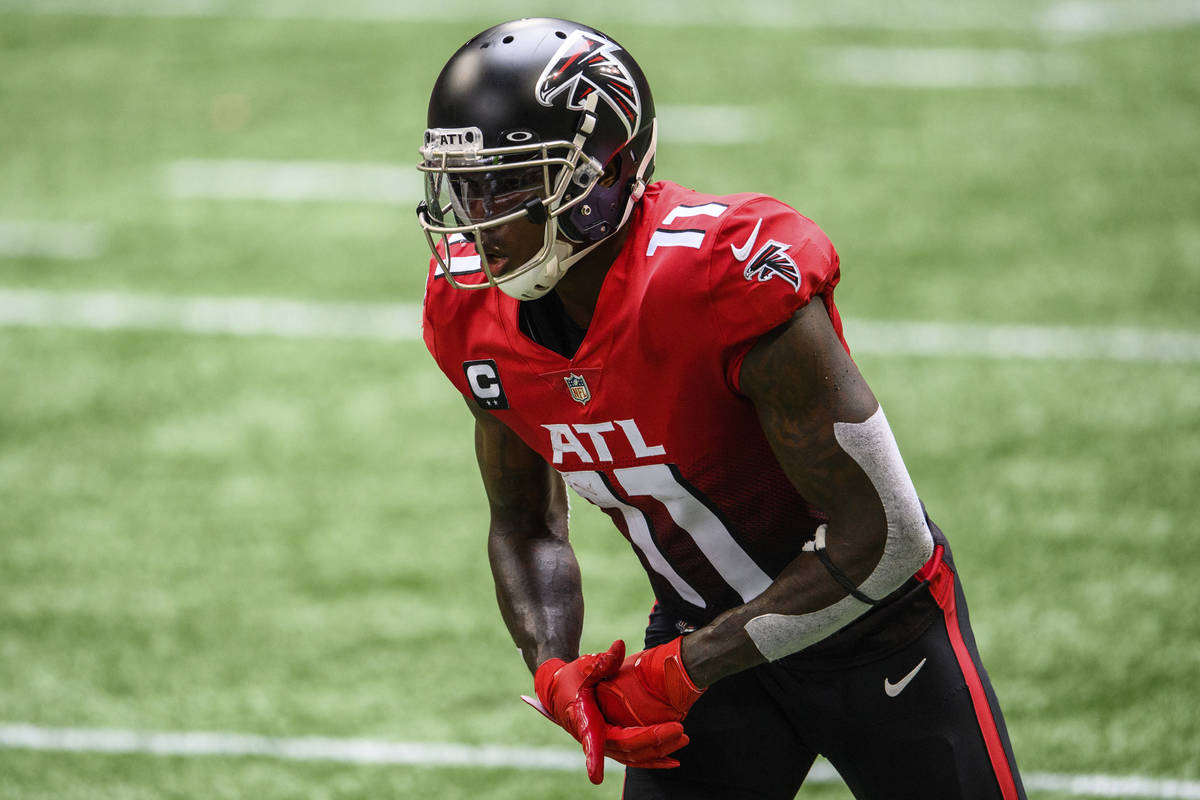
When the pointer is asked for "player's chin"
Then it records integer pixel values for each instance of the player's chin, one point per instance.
(497, 265)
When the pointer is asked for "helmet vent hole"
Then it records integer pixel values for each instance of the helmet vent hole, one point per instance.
(560, 34)
(507, 39)
(484, 46)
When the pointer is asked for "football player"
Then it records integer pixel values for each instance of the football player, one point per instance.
(677, 359)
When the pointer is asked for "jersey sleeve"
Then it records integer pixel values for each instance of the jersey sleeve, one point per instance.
(767, 261)
(440, 301)
(428, 327)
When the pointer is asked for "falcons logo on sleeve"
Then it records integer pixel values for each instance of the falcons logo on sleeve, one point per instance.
(583, 64)
(772, 261)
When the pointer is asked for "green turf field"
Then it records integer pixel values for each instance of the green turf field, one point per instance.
(283, 537)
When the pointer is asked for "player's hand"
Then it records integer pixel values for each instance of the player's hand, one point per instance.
(566, 695)
(645, 746)
(651, 687)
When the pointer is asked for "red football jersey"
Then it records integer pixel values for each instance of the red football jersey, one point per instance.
(647, 421)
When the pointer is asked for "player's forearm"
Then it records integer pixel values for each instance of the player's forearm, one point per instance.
(540, 594)
(855, 562)
(804, 589)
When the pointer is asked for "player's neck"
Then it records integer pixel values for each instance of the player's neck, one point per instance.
(579, 289)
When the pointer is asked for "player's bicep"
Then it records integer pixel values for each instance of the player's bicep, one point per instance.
(802, 381)
(523, 491)
(834, 443)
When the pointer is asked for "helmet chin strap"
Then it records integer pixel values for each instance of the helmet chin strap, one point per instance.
(639, 180)
(539, 281)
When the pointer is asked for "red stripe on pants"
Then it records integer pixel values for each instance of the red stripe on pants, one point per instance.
(942, 587)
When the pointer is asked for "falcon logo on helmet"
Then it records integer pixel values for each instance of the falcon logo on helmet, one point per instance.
(772, 261)
(584, 64)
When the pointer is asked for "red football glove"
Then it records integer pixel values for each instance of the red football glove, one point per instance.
(566, 694)
(648, 747)
(651, 687)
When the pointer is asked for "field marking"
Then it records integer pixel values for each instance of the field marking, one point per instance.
(1022, 341)
(293, 181)
(66, 241)
(1070, 17)
(308, 748)
(378, 752)
(1078, 18)
(1126, 787)
(394, 184)
(927, 15)
(710, 124)
(258, 316)
(237, 316)
(1074, 18)
(943, 67)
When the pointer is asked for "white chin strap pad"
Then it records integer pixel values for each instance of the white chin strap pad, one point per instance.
(909, 542)
(538, 281)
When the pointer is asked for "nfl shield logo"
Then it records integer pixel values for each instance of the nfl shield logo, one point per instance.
(578, 388)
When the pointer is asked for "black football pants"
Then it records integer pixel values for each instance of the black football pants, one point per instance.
(902, 711)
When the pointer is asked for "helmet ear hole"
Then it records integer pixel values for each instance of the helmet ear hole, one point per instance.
(612, 171)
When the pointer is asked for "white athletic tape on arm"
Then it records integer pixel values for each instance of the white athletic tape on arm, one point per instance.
(909, 542)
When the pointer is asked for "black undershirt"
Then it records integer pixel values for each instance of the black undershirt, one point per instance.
(547, 323)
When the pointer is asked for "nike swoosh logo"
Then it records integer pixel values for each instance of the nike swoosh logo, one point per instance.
(893, 689)
(743, 252)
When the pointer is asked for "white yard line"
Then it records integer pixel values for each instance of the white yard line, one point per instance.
(238, 316)
(294, 181)
(54, 240)
(374, 751)
(710, 124)
(942, 68)
(251, 316)
(1075, 18)
(400, 184)
(1126, 787)
(916, 15)
(1022, 341)
(1072, 17)
(309, 748)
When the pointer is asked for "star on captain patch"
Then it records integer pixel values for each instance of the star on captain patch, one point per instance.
(578, 388)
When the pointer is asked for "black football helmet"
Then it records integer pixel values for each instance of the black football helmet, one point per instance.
(524, 121)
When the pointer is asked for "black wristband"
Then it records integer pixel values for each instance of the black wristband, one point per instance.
(840, 576)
